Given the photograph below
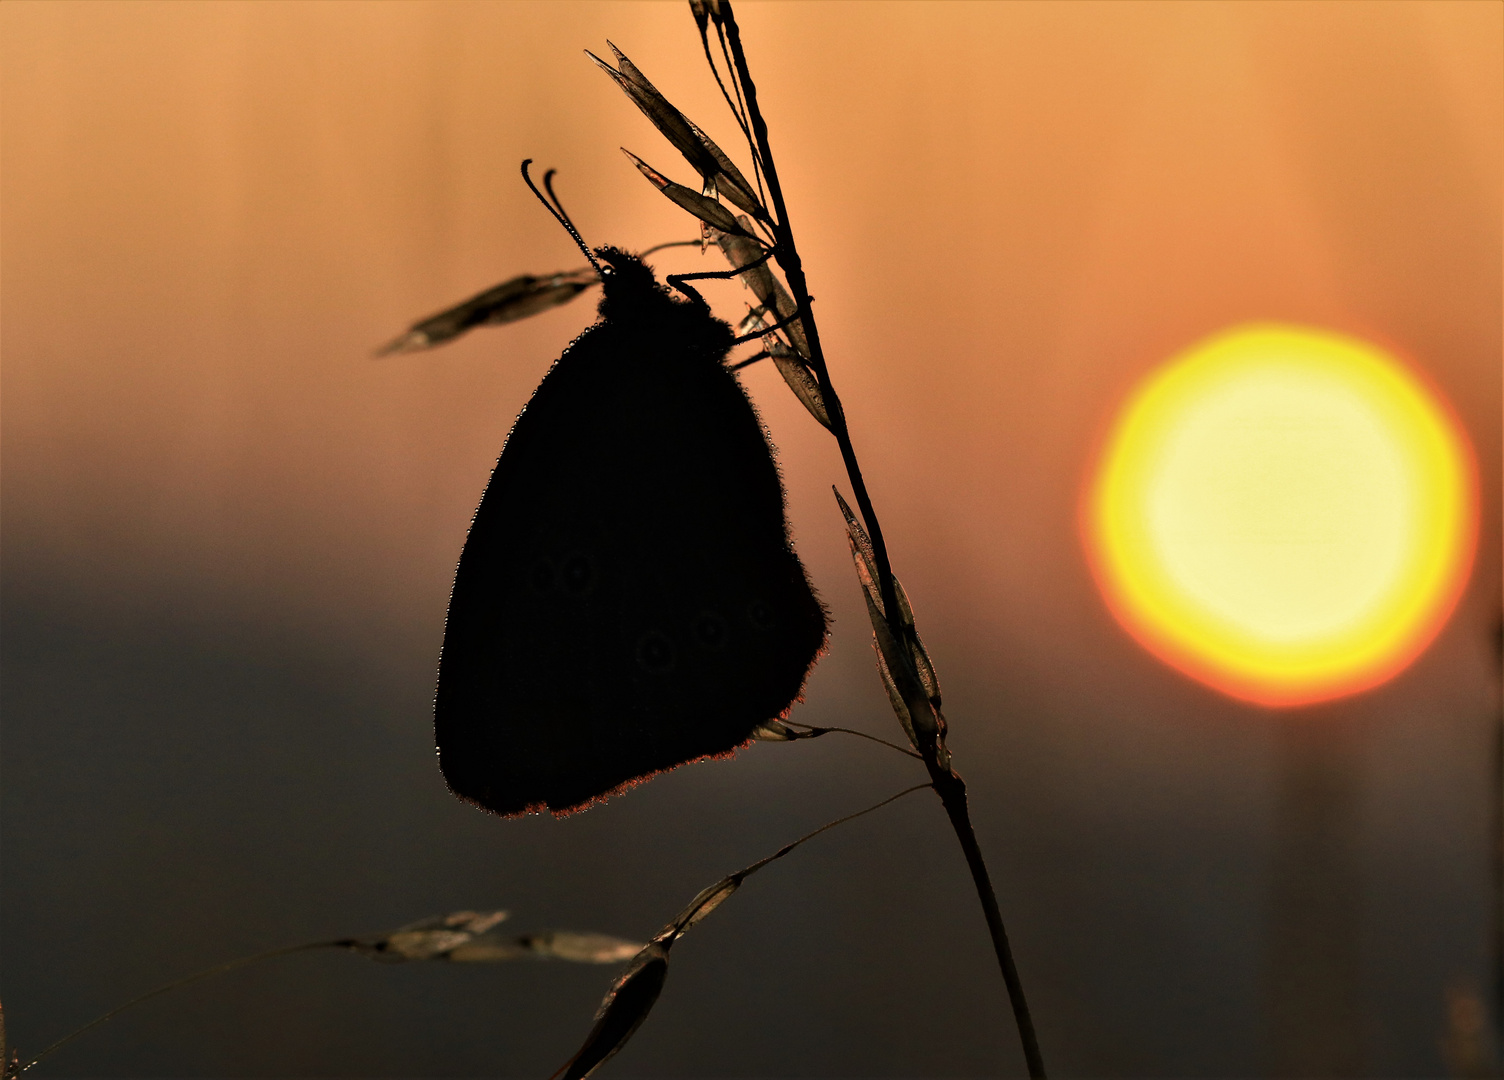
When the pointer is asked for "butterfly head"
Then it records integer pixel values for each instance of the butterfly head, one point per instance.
(627, 282)
(633, 296)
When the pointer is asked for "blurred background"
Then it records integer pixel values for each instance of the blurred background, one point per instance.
(229, 533)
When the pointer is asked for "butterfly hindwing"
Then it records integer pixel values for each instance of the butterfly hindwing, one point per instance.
(627, 599)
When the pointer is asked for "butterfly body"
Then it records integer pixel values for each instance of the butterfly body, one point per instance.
(628, 598)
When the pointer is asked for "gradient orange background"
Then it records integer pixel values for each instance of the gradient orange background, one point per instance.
(229, 534)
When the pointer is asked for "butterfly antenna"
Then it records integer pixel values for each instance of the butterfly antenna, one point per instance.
(548, 186)
(558, 212)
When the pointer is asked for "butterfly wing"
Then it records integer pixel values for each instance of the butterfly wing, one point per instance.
(627, 599)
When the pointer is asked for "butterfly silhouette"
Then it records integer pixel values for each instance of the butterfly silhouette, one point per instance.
(628, 598)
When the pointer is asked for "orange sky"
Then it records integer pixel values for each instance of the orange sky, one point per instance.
(213, 213)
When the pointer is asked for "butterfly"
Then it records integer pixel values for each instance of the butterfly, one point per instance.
(628, 598)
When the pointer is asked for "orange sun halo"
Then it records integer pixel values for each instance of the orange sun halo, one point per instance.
(1287, 514)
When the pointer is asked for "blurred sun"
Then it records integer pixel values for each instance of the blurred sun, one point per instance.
(1284, 513)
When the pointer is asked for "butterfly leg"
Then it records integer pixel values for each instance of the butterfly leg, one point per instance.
(779, 325)
(678, 280)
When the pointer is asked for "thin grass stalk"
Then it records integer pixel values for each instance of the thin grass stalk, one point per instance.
(952, 791)
(948, 785)
(217, 969)
(787, 256)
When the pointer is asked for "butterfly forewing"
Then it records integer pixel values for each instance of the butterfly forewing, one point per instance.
(627, 599)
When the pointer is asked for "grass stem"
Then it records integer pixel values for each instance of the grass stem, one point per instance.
(228, 965)
(952, 791)
(948, 785)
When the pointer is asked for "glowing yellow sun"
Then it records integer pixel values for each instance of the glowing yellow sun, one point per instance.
(1284, 513)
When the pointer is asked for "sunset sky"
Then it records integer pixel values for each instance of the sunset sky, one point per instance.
(229, 533)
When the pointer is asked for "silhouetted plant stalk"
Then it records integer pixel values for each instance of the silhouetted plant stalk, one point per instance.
(632, 995)
(899, 648)
(461, 937)
(471, 937)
